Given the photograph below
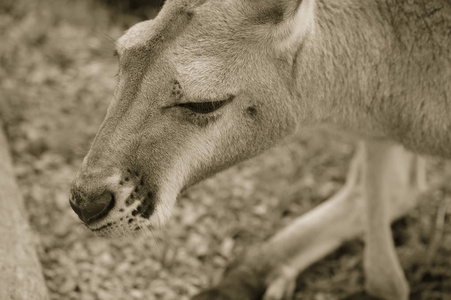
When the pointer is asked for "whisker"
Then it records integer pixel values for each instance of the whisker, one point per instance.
(108, 38)
(292, 154)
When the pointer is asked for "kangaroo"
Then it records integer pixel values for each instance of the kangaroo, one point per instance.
(210, 83)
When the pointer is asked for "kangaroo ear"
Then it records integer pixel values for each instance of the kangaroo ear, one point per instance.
(286, 22)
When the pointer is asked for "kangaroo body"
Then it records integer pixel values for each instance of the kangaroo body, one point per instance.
(210, 83)
(387, 69)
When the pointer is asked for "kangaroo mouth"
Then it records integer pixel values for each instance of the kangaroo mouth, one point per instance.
(139, 203)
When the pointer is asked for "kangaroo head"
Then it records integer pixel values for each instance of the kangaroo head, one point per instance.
(203, 86)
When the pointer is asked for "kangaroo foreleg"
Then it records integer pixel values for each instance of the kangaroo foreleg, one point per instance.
(275, 265)
(380, 169)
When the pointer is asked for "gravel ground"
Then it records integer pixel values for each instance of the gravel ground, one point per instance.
(56, 79)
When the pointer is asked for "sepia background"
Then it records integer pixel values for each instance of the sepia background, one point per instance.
(57, 73)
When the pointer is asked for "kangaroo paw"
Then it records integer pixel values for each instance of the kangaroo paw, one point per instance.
(360, 296)
(241, 283)
(282, 287)
(212, 294)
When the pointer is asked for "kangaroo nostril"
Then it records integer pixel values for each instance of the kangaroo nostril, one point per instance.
(75, 208)
(94, 209)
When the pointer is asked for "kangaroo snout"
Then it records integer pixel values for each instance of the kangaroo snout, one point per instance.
(110, 197)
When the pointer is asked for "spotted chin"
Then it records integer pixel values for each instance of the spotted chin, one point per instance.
(134, 212)
(127, 225)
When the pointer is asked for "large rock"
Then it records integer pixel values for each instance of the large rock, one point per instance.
(20, 270)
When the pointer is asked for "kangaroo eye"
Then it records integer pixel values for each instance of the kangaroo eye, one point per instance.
(204, 107)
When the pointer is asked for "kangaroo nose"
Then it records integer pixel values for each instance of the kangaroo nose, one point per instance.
(90, 211)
